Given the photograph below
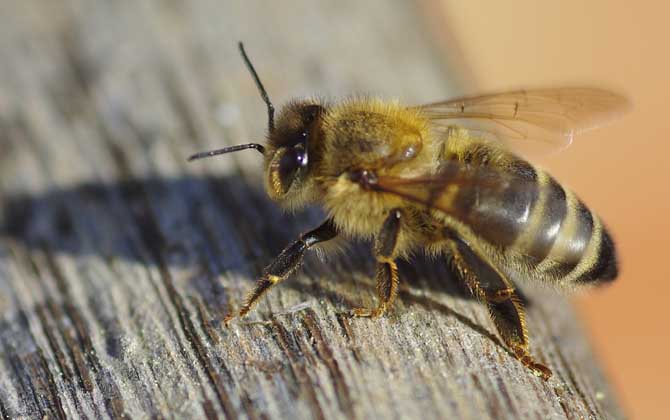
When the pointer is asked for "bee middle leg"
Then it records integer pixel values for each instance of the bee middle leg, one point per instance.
(386, 273)
(285, 264)
(489, 286)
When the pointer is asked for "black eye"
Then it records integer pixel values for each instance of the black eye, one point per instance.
(297, 139)
(301, 154)
(293, 159)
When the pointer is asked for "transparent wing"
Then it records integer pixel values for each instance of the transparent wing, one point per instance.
(547, 117)
(495, 204)
(457, 188)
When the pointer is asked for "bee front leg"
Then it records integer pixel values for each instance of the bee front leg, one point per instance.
(386, 274)
(285, 264)
(491, 287)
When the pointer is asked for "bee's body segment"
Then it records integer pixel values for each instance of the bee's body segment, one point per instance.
(411, 179)
(544, 231)
(537, 240)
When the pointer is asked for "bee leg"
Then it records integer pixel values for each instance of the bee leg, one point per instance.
(491, 287)
(499, 296)
(386, 273)
(285, 264)
(387, 288)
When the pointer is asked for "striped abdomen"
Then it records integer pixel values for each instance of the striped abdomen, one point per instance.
(535, 226)
(524, 212)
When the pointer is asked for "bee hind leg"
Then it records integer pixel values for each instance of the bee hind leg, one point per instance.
(492, 288)
(386, 273)
(285, 264)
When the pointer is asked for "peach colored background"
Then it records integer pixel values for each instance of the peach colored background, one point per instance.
(621, 170)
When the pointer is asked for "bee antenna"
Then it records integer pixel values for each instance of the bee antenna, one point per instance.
(261, 88)
(228, 149)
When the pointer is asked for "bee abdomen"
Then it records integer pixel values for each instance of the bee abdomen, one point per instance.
(542, 229)
(604, 267)
(544, 224)
(580, 249)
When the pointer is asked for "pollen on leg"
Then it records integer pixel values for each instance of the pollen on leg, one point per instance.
(274, 279)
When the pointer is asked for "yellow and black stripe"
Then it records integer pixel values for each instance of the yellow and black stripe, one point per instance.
(526, 213)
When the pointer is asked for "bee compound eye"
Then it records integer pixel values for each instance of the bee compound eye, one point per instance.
(289, 163)
(301, 154)
(301, 159)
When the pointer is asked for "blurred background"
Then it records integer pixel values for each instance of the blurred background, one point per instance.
(619, 170)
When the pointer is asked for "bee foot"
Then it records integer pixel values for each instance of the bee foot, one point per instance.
(538, 369)
(230, 317)
(541, 370)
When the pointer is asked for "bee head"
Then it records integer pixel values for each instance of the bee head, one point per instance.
(286, 154)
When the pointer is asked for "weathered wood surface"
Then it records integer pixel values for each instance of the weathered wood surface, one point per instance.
(118, 260)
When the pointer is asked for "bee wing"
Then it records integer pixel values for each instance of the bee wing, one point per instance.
(465, 191)
(548, 117)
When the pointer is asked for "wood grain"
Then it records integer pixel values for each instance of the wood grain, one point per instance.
(118, 260)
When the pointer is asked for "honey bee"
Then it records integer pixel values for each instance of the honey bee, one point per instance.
(440, 178)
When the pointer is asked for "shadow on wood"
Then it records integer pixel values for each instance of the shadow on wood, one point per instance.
(59, 221)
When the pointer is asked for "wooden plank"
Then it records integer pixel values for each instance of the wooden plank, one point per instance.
(118, 260)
